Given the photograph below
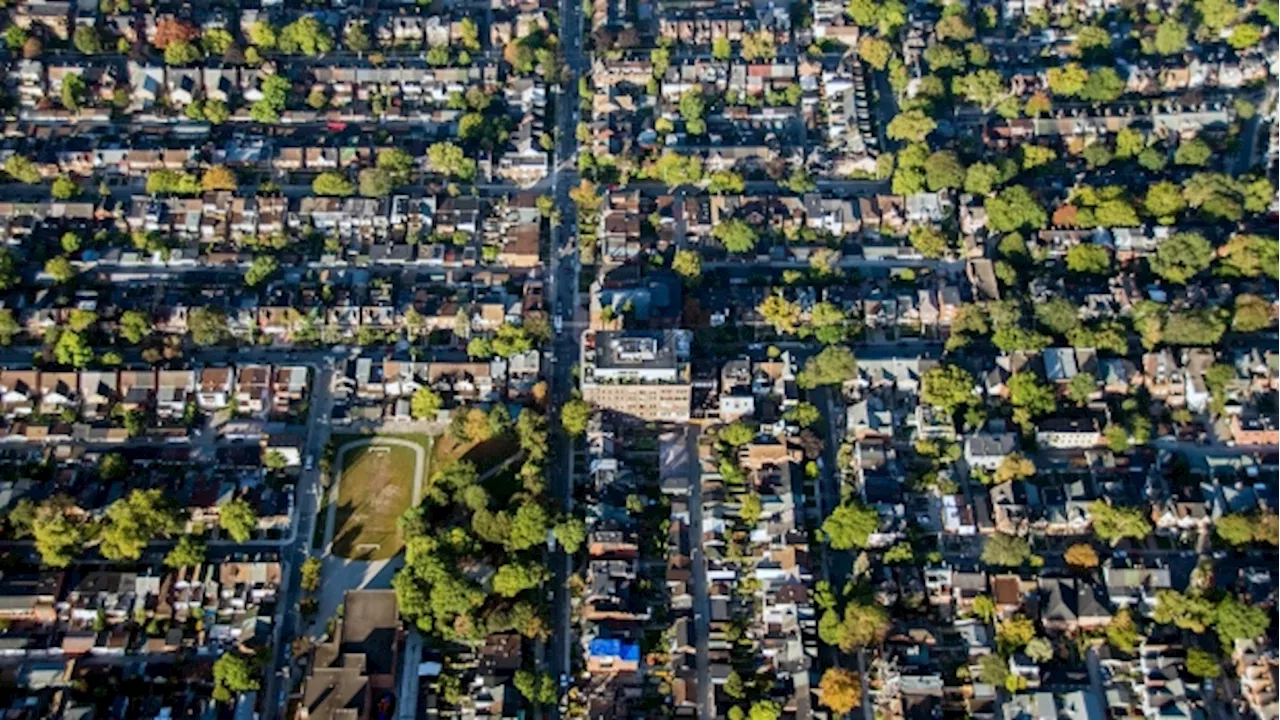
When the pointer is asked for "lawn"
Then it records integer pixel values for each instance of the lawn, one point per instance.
(377, 487)
(484, 455)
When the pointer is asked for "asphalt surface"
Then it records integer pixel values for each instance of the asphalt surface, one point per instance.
(562, 294)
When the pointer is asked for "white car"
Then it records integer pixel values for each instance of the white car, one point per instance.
(310, 464)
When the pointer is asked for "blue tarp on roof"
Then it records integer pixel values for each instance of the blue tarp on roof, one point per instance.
(612, 647)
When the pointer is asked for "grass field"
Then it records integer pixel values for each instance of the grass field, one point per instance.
(483, 455)
(376, 488)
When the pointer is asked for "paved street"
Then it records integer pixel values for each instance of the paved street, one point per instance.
(562, 295)
(294, 552)
(701, 597)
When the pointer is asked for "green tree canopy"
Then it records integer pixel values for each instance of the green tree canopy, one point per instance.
(850, 525)
(239, 519)
(135, 520)
(1005, 550)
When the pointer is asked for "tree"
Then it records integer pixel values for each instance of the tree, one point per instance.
(135, 326)
(1249, 256)
(1082, 387)
(674, 169)
(1081, 556)
(721, 48)
(73, 349)
(1034, 156)
(311, 572)
(8, 327)
(135, 520)
(1089, 259)
(574, 416)
(1193, 152)
(234, 673)
(862, 625)
(1067, 80)
(216, 112)
(804, 414)
(1194, 327)
(239, 519)
(981, 178)
(985, 88)
(219, 177)
(850, 525)
(1181, 257)
(449, 160)
(332, 182)
(1014, 633)
(1252, 313)
(984, 607)
(911, 125)
(725, 182)
(1113, 524)
(425, 403)
(22, 169)
(928, 241)
(1122, 633)
(784, 315)
(840, 690)
(1006, 550)
(528, 527)
(1202, 664)
(172, 182)
(1015, 208)
(1235, 620)
(189, 552)
(764, 710)
(1164, 201)
(736, 434)
(514, 578)
(86, 40)
(135, 422)
(181, 52)
(1040, 650)
(208, 325)
(943, 170)
(305, 35)
(1014, 467)
(1189, 612)
(1171, 37)
(948, 387)
(570, 533)
(736, 235)
(275, 96)
(758, 46)
(833, 365)
(356, 37)
(259, 270)
(1236, 529)
(64, 188)
(874, 51)
(537, 688)
(217, 41)
(1244, 35)
(14, 37)
(1103, 85)
(375, 182)
(687, 264)
(32, 47)
(993, 669)
(1058, 315)
(112, 467)
(170, 29)
(57, 537)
